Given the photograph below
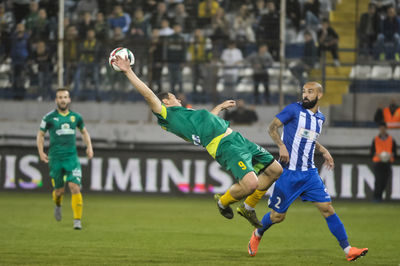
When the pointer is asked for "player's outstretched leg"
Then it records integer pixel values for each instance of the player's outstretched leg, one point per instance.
(356, 253)
(225, 211)
(250, 215)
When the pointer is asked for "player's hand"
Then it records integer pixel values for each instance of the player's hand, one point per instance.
(227, 104)
(122, 63)
(89, 152)
(329, 163)
(43, 157)
(283, 154)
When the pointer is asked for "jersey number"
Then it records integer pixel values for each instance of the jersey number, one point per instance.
(279, 202)
(242, 165)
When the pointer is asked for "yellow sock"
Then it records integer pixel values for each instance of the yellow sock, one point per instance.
(76, 203)
(227, 199)
(57, 200)
(254, 198)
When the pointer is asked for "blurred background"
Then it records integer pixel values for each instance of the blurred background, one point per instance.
(259, 52)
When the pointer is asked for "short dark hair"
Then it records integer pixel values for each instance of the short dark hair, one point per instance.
(382, 124)
(62, 89)
(163, 95)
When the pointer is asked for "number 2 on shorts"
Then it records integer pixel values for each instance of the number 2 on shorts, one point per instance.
(242, 165)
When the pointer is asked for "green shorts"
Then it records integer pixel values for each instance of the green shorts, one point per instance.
(241, 156)
(65, 170)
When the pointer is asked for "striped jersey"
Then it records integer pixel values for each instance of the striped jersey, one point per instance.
(300, 132)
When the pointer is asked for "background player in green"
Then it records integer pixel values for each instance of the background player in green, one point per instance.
(63, 158)
(232, 151)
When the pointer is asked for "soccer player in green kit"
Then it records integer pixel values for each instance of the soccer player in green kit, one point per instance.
(232, 151)
(63, 158)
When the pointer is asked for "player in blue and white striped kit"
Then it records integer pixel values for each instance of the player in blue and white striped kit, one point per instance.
(302, 124)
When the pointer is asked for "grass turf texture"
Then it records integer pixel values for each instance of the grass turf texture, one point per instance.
(150, 230)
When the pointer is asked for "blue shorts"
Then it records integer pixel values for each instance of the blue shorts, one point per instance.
(292, 184)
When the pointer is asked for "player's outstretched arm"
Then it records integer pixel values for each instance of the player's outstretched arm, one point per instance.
(274, 133)
(40, 146)
(88, 142)
(143, 89)
(326, 154)
(222, 106)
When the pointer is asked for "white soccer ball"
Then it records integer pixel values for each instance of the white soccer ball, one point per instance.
(122, 52)
(384, 156)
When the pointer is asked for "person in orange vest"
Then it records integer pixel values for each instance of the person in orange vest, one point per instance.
(383, 152)
(391, 115)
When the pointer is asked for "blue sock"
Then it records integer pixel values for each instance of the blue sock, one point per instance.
(266, 221)
(337, 229)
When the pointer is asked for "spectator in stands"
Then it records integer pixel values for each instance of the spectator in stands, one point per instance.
(199, 53)
(260, 62)
(156, 59)
(267, 30)
(165, 29)
(84, 6)
(88, 67)
(311, 13)
(182, 18)
(260, 9)
(368, 29)
(120, 19)
(241, 115)
(41, 29)
(101, 27)
(293, 12)
(383, 152)
(220, 31)
(389, 115)
(70, 54)
(207, 9)
(30, 20)
(231, 59)
(307, 62)
(383, 5)
(6, 27)
(176, 57)
(41, 67)
(85, 24)
(242, 31)
(140, 24)
(19, 58)
(20, 9)
(389, 33)
(159, 15)
(139, 41)
(328, 41)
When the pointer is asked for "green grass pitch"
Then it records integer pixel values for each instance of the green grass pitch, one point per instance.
(152, 230)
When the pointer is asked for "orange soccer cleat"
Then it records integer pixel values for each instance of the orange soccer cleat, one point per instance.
(253, 244)
(355, 253)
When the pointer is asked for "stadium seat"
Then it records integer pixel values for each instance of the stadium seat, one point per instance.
(381, 72)
(360, 72)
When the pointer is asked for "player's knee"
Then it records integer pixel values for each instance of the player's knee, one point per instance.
(59, 192)
(277, 217)
(251, 187)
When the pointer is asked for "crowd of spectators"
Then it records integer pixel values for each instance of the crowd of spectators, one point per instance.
(199, 34)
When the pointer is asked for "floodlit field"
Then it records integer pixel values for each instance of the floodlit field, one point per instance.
(149, 230)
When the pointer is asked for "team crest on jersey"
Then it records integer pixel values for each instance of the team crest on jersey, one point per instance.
(72, 118)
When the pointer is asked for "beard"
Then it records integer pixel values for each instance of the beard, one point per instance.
(62, 108)
(309, 104)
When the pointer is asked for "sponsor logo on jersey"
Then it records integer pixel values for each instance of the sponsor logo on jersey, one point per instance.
(308, 134)
(65, 130)
(72, 118)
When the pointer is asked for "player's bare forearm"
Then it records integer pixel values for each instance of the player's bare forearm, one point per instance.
(145, 91)
(225, 105)
(40, 146)
(326, 154)
(321, 148)
(274, 133)
(88, 142)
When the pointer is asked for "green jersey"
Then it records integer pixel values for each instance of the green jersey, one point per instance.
(62, 131)
(198, 126)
